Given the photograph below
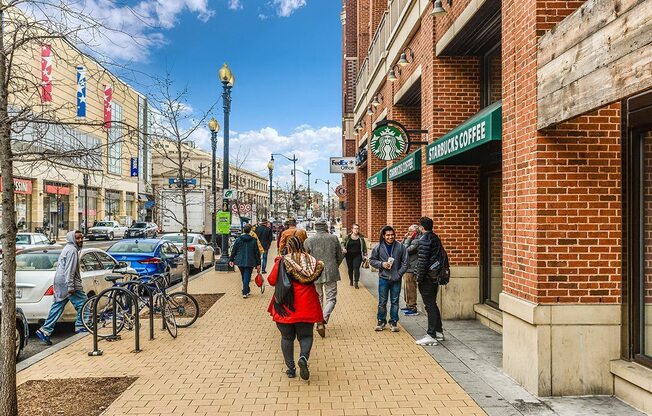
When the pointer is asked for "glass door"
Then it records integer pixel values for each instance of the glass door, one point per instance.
(491, 220)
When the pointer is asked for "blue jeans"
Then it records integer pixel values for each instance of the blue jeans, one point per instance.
(246, 278)
(392, 290)
(77, 299)
(264, 266)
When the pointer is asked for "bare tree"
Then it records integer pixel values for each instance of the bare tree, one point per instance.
(38, 130)
(173, 127)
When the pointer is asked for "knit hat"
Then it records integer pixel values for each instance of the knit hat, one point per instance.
(321, 226)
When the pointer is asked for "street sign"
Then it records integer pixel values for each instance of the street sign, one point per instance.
(340, 191)
(223, 222)
(134, 166)
(230, 194)
(388, 142)
(343, 165)
(177, 182)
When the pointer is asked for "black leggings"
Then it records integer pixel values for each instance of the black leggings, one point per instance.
(301, 331)
(353, 265)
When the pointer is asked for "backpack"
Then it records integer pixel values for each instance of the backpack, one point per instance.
(441, 268)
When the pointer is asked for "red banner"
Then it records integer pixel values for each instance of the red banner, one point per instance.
(46, 74)
(57, 190)
(108, 98)
(21, 186)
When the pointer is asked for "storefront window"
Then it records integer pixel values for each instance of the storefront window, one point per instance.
(90, 199)
(646, 283)
(23, 212)
(492, 77)
(55, 213)
(111, 205)
(492, 238)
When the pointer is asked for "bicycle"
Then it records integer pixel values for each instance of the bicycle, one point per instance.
(124, 309)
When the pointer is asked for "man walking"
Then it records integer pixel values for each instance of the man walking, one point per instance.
(411, 244)
(290, 231)
(265, 235)
(391, 260)
(429, 246)
(326, 247)
(67, 287)
(246, 256)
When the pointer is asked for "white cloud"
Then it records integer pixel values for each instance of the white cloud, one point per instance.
(235, 5)
(285, 8)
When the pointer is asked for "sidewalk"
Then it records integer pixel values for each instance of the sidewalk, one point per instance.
(230, 362)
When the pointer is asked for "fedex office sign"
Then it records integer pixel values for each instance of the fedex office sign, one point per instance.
(343, 165)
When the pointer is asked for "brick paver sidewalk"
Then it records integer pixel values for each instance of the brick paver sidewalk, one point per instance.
(230, 362)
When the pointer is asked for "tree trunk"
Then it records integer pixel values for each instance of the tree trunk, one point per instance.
(8, 400)
(184, 229)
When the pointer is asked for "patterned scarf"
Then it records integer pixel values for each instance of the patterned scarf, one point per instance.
(303, 267)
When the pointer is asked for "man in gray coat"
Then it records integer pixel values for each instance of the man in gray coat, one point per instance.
(326, 247)
(411, 244)
(67, 287)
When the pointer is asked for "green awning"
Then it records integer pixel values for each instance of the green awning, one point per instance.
(483, 128)
(406, 167)
(378, 179)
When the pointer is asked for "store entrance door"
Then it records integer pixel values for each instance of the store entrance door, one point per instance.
(491, 223)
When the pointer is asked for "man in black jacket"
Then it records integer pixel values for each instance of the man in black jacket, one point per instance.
(265, 236)
(429, 246)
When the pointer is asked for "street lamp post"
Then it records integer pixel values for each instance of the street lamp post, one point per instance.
(270, 166)
(85, 230)
(227, 79)
(308, 174)
(214, 127)
(328, 193)
(294, 167)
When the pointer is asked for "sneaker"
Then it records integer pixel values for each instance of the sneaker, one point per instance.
(381, 325)
(80, 330)
(321, 329)
(303, 368)
(411, 312)
(406, 309)
(394, 327)
(45, 339)
(439, 336)
(427, 340)
(291, 372)
(264, 272)
(245, 296)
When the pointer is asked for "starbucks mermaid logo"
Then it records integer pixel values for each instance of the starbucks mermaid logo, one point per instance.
(388, 143)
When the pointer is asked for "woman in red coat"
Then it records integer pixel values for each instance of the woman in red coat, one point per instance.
(295, 306)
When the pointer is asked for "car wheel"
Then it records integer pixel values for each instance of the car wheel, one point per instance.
(19, 341)
(110, 236)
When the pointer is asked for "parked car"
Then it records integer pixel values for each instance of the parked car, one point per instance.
(150, 256)
(31, 240)
(106, 230)
(35, 270)
(200, 254)
(22, 331)
(142, 230)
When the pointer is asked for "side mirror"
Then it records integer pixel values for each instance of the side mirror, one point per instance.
(121, 267)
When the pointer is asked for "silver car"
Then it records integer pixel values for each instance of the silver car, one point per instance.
(200, 254)
(31, 240)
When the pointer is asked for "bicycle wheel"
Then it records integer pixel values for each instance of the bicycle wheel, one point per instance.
(168, 316)
(184, 307)
(105, 315)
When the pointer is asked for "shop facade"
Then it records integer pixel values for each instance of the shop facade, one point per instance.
(532, 161)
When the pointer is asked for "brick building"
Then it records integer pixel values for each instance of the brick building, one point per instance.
(531, 148)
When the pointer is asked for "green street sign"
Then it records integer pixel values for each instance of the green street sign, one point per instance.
(388, 142)
(223, 222)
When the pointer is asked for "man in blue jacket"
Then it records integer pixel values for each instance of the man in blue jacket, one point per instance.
(246, 256)
(391, 260)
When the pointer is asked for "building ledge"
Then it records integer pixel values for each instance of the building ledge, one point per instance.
(488, 316)
(633, 373)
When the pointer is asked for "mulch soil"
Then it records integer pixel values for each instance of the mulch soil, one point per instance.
(70, 397)
(206, 301)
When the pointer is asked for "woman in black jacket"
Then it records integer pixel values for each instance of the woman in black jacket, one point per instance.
(355, 252)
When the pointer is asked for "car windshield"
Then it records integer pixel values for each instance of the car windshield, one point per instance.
(175, 238)
(140, 225)
(22, 239)
(37, 261)
(104, 224)
(132, 246)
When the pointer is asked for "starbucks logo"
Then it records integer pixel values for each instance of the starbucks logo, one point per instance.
(388, 143)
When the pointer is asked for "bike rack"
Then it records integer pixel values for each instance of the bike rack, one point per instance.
(96, 351)
(151, 309)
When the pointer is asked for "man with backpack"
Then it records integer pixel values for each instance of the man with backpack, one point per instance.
(432, 270)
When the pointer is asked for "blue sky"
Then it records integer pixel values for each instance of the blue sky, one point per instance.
(286, 57)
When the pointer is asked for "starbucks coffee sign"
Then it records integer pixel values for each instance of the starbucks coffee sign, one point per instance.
(388, 142)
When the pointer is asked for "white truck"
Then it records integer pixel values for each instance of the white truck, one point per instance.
(171, 211)
(107, 230)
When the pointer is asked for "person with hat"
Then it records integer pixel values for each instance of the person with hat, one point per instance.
(291, 230)
(326, 247)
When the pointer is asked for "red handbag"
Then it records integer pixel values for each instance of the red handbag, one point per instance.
(260, 282)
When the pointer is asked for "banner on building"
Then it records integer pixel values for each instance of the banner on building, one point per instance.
(81, 92)
(108, 102)
(343, 165)
(223, 222)
(46, 74)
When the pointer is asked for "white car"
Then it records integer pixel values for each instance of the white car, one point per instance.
(107, 230)
(35, 270)
(31, 240)
(200, 254)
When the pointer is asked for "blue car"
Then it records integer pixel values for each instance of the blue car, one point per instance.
(149, 257)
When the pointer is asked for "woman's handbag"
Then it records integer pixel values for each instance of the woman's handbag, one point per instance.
(283, 292)
(260, 282)
(365, 263)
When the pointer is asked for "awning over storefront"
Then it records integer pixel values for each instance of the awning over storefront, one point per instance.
(406, 169)
(378, 180)
(482, 132)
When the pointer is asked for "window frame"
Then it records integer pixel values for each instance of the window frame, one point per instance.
(488, 172)
(485, 84)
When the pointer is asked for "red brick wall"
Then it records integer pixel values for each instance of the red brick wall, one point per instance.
(403, 205)
(377, 9)
(362, 30)
(376, 212)
(361, 199)
(562, 209)
(496, 220)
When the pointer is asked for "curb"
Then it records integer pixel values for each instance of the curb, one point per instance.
(48, 352)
